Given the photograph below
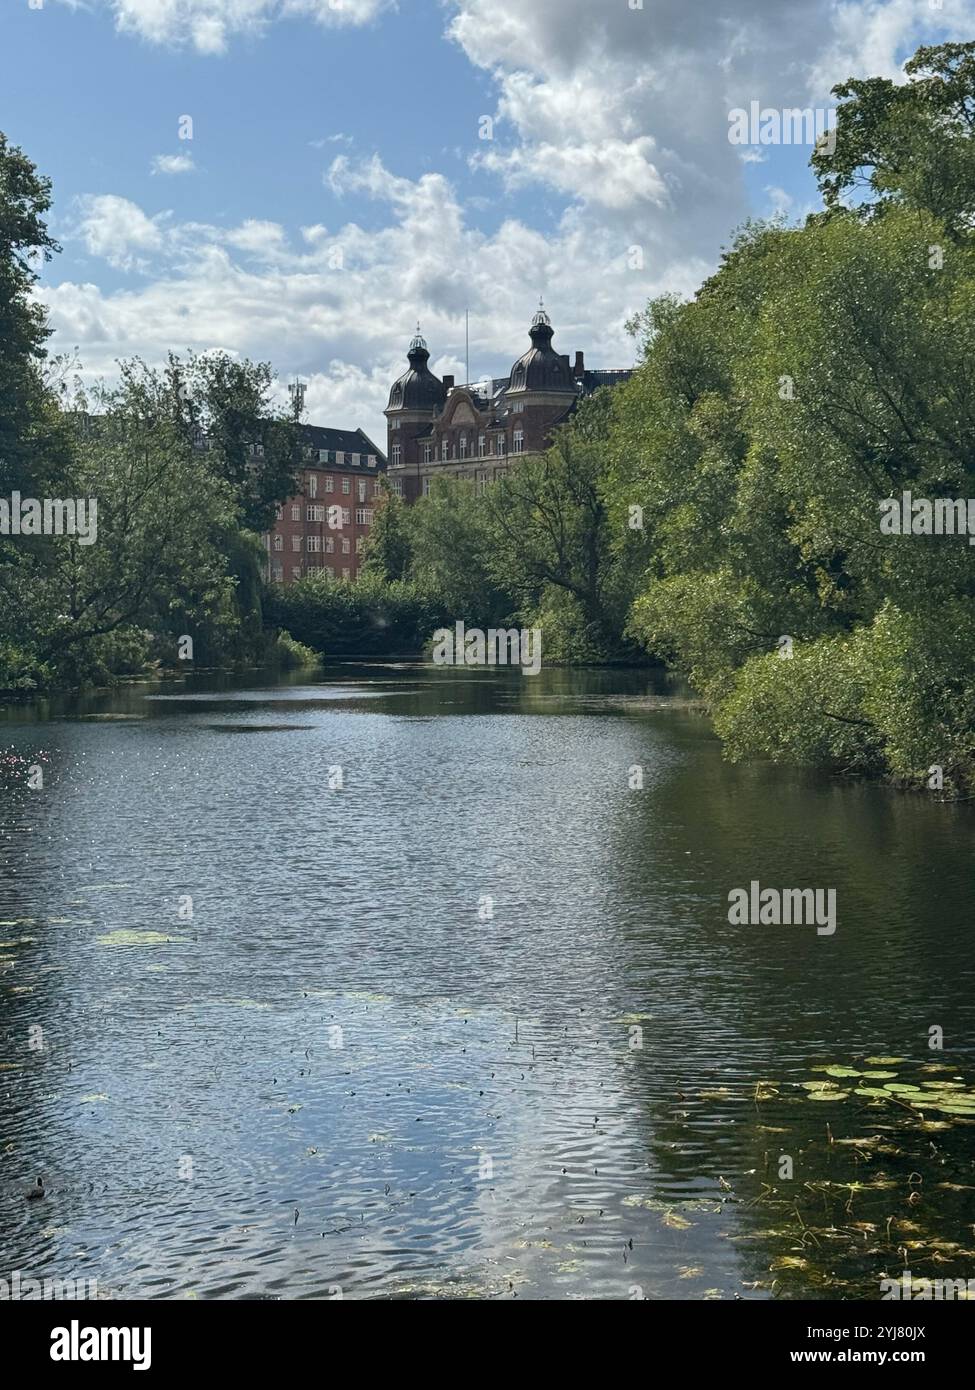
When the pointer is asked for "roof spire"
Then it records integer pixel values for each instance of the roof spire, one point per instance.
(541, 317)
(418, 339)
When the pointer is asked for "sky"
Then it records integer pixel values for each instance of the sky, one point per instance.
(302, 181)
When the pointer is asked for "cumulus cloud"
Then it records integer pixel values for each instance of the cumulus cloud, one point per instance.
(117, 230)
(339, 306)
(620, 114)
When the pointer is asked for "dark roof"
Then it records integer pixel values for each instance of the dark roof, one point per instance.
(606, 377)
(342, 441)
(418, 388)
(541, 368)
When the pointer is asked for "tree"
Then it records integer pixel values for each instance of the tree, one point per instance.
(388, 553)
(155, 565)
(553, 534)
(908, 143)
(451, 553)
(27, 428)
(227, 405)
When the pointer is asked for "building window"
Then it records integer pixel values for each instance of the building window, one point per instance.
(396, 484)
(463, 446)
(329, 483)
(331, 571)
(279, 542)
(519, 441)
(329, 544)
(339, 458)
(346, 516)
(427, 453)
(314, 513)
(359, 542)
(518, 407)
(346, 574)
(362, 485)
(277, 574)
(371, 461)
(346, 545)
(295, 542)
(363, 516)
(296, 572)
(445, 451)
(278, 512)
(480, 445)
(426, 487)
(296, 513)
(394, 425)
(377, 488)
(355, 460)
(499, 446)
(312, 484)
(313, 543)
(323, 456)
(346, 484)
(397, 455)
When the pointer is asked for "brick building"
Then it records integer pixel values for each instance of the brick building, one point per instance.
(437, 429)
(325, 525)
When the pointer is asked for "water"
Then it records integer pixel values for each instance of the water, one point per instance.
(476, 1023)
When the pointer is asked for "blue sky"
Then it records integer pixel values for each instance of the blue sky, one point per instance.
(335, 188)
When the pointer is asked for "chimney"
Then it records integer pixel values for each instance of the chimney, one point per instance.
(448, 382)
(579, 369)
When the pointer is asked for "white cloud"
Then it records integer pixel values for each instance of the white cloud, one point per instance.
(210, 25)
(345, 327)
(612, 173)
(173, 164)
(116, 229)
(621, 115)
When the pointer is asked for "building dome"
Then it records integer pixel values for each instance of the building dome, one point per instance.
(418, 388)
(541, 368)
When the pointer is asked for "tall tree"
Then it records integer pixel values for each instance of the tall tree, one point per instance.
(909, 143)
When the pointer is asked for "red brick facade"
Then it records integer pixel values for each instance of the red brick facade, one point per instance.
(325, 525)
(437, 429)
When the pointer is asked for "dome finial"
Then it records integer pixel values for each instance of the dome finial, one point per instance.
(541, 317)
(418, 340)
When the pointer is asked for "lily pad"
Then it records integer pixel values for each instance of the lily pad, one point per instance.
(676, 1221)
(884, 1061)
(126, 937)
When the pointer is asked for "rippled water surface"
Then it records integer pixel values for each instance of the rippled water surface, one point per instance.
(475, 1023)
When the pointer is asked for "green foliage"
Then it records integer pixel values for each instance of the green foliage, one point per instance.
(907, 143)
(820, 371)
(388, 549)
(291, 655)
(339, 618)
(248, 443)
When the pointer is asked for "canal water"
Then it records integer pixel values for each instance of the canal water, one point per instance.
(394, 981)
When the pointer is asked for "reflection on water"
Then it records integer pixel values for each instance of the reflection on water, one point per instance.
(475, 1022)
